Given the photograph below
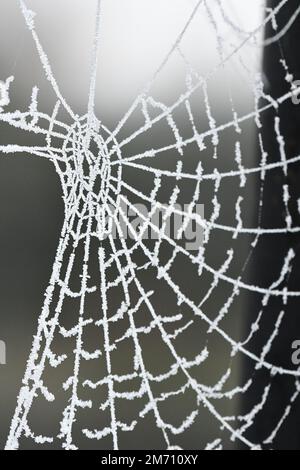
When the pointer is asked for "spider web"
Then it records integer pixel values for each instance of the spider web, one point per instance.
(136, 294)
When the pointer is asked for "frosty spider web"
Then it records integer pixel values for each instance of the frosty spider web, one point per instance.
(149, 303)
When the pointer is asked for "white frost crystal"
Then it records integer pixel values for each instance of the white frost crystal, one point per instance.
(4, 92)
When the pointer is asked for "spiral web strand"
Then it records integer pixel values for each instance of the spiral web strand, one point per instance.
(125, 277)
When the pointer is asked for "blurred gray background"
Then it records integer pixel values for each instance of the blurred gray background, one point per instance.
(135, 37)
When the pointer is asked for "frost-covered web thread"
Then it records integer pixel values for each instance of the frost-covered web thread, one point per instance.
(91, 163)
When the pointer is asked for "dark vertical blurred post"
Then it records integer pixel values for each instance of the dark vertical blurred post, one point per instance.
(272, 250)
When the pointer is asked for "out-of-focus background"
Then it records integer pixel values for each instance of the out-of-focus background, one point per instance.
(136, 36)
